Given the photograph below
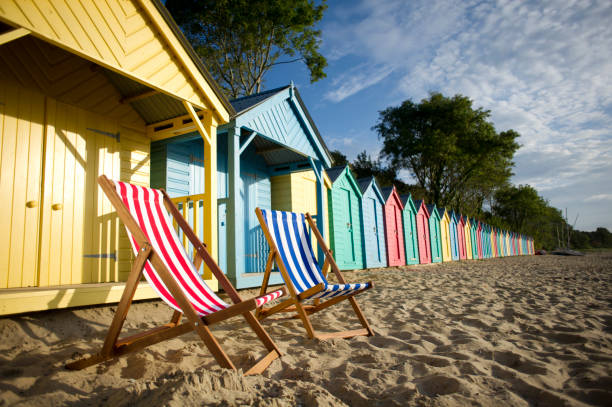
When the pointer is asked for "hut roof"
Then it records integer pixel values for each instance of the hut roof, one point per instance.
(386, 192)
(364, 183)
(431, 208)
(246, 103)
(334, 172)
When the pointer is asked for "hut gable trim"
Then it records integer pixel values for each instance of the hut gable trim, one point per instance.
(367, 183)
(408, 203)
(391, 193)
(345, 176)
(279, 115)
(137, 39)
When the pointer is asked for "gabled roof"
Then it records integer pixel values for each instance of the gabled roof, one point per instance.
(244, 103)
(278, 114)
(418, 203)
(431, 208)
(407, 201)
(334, 172)
(441, 212)
(386, 192)
(364, 184)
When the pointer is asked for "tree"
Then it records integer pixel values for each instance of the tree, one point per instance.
(450, 148)
(523, 210)
(241, 40)
(364, 166)
(338, 158)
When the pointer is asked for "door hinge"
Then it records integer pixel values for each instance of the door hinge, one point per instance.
(101, 256)
(116, 136)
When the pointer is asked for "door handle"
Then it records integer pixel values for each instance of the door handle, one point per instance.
(31, 204)
(57, 206)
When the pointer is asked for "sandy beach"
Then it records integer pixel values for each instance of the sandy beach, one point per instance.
(521, 331)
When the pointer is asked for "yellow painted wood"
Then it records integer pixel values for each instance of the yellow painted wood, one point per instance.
(16, 301)
(56, 73)
(445, 235)
(21, 131)
(210, 191)
(127, 36)
(296, 192)
(13, 35)
(468, 240)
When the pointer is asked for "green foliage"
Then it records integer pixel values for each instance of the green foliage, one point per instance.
(599, 239)
(451, 149)
(523, 210)
(338, 158)
(240, 40)
(364, 167)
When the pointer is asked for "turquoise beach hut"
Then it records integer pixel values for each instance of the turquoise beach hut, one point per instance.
(435, 234)
(373, 228)
(271, 134)
(474, 235)
(454, 239)
(344, 208)
(411, 242)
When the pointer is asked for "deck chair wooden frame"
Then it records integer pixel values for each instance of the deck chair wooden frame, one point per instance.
(114, 347)
(295, 302)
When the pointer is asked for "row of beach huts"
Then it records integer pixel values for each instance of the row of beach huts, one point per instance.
(112, 87)
(386, 229)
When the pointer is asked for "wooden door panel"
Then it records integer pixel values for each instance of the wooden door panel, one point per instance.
(80, 230)
(21, 140)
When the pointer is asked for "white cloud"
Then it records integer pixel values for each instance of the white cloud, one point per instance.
(543, 68)
(599, 197)
(355, 80)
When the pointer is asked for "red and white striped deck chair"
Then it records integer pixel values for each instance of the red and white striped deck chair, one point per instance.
(290, 248)
(162, 259)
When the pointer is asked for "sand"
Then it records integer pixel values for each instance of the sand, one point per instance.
(516, 331)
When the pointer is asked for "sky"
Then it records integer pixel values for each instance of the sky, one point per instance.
(543, 68)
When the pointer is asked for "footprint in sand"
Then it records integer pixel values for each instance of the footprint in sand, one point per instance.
(437, 385)
(518, 363)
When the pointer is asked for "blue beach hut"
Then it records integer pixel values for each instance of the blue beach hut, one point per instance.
(454, 238)
(373, 228)
(271, 134)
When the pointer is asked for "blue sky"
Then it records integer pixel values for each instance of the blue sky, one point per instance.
(543, 68)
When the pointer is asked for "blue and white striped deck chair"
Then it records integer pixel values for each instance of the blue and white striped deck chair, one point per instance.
(291, 249)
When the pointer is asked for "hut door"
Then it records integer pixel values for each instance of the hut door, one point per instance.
(409, 232)
(349, 230)
(22, 116)
(422, 231)
(80, 229)
(374, 206)
(398, 239)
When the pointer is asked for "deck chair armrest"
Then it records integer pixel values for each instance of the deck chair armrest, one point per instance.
(311, 291)
(231, 311)
(242, 307)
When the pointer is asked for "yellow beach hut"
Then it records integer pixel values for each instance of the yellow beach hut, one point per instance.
(297, 192)
(468, 237)
(445, 234)
(84, 89)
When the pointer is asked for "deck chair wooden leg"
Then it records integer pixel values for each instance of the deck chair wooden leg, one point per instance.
(122, 309)
(176, 318)
(213, 346)
(266, 279)
(304, 317)
(362, 318)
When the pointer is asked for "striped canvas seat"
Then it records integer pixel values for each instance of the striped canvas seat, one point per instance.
(289, 232)
(147, 207)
